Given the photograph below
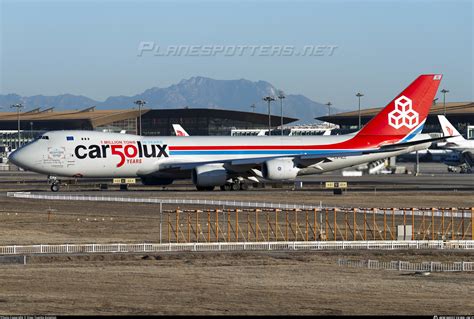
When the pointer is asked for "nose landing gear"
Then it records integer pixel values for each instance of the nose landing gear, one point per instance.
(55, 187)
(55, 183)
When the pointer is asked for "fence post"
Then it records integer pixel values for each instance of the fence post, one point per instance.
(276, 222)
(228, 225)
(432, 224)
(452, 223)
(237, 224)
(354, 224)
(472, 223)
(315, 227)
(177, 225)
(365, 224)
(374, 226)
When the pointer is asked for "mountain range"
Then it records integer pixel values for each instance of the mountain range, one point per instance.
(196, 92)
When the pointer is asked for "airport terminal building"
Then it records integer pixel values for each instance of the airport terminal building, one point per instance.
(196, 121)
(460, 114)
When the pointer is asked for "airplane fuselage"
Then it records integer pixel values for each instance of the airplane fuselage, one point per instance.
(106, 155)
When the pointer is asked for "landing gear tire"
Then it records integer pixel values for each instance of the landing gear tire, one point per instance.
(205, 188)
(235, 186)
(55, 187)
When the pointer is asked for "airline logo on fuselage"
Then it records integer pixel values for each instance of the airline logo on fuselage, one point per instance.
(129, 152)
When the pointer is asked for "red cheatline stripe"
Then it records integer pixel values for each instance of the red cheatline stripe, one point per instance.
(356, 142)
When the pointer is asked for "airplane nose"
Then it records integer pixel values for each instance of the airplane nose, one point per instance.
(17, 157)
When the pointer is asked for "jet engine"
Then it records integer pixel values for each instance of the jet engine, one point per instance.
(209, 175)
(279, 169)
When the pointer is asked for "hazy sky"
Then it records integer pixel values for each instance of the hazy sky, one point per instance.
(91, 47)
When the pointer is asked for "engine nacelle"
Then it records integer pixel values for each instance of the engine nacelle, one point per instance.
(209, 175)
(279, 169)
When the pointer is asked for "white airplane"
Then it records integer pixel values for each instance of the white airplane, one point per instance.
(457, 142)
(224, 160)
(179, 130)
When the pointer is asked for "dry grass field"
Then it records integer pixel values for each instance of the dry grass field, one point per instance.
(262, 283)
(230, 283)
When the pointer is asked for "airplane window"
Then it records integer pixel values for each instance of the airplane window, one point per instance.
(44, 137)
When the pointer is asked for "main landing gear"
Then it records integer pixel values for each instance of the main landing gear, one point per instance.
(235, 185)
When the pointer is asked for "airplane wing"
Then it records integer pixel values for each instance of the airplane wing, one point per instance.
(303, 160)
(400, 146)
(255, 161)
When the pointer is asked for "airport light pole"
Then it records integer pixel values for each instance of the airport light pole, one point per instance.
(18, 106)
(444, 91)
(269, 99)
(359, 95)
(281, 96)
(253, 107)
(140, 103)
(329, 108)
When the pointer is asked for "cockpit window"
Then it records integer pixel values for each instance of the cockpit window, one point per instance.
(45, 137)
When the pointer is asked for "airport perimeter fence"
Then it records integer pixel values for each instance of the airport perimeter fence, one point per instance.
(171, 201)
(408, 266)
(236, 221)
(226, 247)
(436, 212)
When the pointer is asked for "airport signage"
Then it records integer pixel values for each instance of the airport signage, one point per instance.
(335, 185)
(124, 181)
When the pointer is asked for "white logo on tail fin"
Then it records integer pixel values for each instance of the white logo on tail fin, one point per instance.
(403, 115)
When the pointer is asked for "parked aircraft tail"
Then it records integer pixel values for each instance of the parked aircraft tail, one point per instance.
(449, 130)
(179, 130)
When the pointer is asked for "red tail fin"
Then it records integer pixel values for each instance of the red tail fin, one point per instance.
(407, 112)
